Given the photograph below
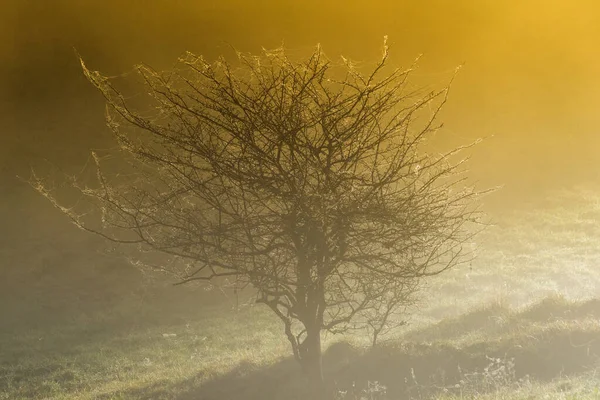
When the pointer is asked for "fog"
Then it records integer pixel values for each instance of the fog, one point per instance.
(529, 80)
(529, 85)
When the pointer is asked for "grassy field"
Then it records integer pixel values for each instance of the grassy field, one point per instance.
(521, 322)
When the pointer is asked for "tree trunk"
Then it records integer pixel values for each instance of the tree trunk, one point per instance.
(311, 359)
(375, 336)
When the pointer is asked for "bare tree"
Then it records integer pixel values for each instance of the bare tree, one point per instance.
(304, 179)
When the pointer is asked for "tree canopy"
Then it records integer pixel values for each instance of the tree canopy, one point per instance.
(307, 180)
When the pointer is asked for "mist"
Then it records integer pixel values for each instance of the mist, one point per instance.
(528, 85)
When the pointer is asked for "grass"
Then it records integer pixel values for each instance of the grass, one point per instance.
(107, 362)
(519, 323)
(550, 346)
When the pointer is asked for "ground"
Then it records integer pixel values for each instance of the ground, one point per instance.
(521, 322)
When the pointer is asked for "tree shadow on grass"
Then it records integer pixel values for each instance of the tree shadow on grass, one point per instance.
(412, 370)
